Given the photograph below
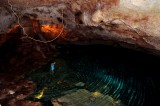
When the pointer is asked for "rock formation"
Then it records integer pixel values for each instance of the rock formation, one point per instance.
(130, 23)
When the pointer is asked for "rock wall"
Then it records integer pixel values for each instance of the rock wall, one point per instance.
(134, 22)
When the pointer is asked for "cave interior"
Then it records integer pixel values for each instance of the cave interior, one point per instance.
(66, 59)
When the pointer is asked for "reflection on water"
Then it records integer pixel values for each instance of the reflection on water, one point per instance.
(98, 76)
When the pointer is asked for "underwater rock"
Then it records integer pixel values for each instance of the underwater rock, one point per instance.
(83, 97)
(80, 84)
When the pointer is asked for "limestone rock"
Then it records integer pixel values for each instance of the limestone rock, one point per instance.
(127, 22)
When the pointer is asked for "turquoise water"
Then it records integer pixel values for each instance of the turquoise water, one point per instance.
(110, 71)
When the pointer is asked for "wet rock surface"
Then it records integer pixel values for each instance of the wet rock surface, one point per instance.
(14, 91)
(83, 97)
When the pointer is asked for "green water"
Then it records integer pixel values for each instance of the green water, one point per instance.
(101, 69)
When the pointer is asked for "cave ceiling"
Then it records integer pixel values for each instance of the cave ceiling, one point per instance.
(124, 22)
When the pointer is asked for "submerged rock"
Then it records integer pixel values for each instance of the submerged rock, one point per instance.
(80, 84)
(83, 97)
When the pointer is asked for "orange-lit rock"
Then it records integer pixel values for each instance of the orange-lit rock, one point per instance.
(52, 31)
